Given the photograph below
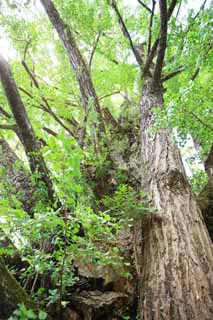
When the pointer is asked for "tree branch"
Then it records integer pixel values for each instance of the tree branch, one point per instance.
(172, 74)
(150, 26)
(77, 62)
(50, 131)
(171, 9)
(154, 47)
(109, 95)
(198, 119)
(145, 6)
(25, 129)
(162, 44)
(46, 108)
(126, 33)
(5, 113)
(8, 127)
(26, 48)
(93, 49)
(34, 80)
(150, 57)
(201, 8)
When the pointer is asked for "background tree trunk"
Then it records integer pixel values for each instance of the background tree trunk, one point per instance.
(25, 129)
(176, 279)
(17, 176)
(11, 293)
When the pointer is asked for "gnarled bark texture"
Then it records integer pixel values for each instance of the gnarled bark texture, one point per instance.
(176, 278)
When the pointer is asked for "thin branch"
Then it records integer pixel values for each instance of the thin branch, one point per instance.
(171, 9)
(34, 80)
(198, 119)
(150, 25)
(172, 74)
(126, 33)
(195, 74)
(154, 47)
(109, 95)
(192, 23)
(145, 6)
(93, 49)
(162, 44)
(26, 92)
(5, 113)
(151, 56)
(201, 8)
(50, 131)
(26, 48)
(8, 127)
(46, 108)
(178, 10)
(77, 61)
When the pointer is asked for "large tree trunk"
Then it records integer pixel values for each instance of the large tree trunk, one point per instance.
(11, 293)
(176, 280)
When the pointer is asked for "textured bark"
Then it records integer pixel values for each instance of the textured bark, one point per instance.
(205, 198)
(25, 129)
(17, 176)
(11, 293)
(176, 274)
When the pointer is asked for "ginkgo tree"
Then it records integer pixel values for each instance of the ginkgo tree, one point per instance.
(129, 87)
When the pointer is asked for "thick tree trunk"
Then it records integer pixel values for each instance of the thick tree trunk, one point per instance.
(11, 293)
(176, 279)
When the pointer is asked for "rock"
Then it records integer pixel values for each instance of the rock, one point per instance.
(70, 314)
(96, 305)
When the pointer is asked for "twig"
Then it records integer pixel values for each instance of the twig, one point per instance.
(145, 6)
(35, 82)
(5, 113)
(109, 95)
(198, 119)
(50, 131)
(26, 48)
(93, 49)
(201, 8)
(195, 74)
(172, 74)
(126, 33)
(178, 10)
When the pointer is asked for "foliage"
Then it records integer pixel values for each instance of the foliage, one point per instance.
(127, 203)
(22, 313)
(54, 239)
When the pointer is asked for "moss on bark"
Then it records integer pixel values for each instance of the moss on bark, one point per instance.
(11, 293)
